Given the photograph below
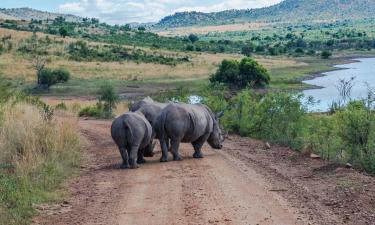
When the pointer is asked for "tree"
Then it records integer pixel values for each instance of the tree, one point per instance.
(227, 72)
(242, 74)
(141, 29)
(63, 32)
(247, 50)
(49, 77)
(252, 73)
(193, 38)
(126, 27)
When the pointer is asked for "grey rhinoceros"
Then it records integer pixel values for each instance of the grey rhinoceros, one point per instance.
(132, 133)
(188, 123)
(150, 110)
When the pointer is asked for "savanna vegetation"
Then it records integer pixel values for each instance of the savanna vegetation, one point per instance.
(38, 151)
(247, 74)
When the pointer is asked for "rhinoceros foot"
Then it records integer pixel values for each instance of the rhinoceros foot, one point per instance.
(197, 155)
(124, 166)
(141, 161)
(164, 159)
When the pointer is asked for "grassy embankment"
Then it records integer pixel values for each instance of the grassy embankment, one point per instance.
(38, 151)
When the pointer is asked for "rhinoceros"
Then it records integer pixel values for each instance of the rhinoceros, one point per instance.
(150, 109)
(132, 133)
(188, 123)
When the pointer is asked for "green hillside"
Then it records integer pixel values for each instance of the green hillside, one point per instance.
(288, 10)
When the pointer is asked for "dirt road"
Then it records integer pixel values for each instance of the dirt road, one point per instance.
(225, 187)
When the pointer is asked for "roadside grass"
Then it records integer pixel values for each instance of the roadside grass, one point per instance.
(36, 156)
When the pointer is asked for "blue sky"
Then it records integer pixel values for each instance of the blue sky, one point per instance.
(125, 11)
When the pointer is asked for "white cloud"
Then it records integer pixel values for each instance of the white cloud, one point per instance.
(125, 11)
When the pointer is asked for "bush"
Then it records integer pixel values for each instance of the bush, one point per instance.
(109, 97)
(242, 74)
(49, 77)
(356, 129)
(108, 100)
(277, 117)
(62, 75)
(193, 38)
(190, 48)
(96, 111)
(347, 135)
(326, 54)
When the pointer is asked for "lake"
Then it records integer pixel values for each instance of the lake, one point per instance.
(363, 71)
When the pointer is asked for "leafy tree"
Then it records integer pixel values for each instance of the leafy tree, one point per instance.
(126, 27)
(252, 73)
(248, 72)
(49, 77)
(193, 38)
(141, 29)
(62, 75)
(63, 32)
(247, 50)
(227, 72)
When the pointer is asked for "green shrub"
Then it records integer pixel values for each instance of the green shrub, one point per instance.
(109, 97)
(108, 100)
(356, 129)
(247, 73)
(62, 75)
(326, 54)
(96, 111)
(49, 77)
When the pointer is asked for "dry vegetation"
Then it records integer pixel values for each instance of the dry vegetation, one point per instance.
(207, 29)
(201, 65)
(36, 155)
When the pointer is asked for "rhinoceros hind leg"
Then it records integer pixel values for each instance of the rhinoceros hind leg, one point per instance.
(125, 158)
(175, 144)
(133, 157)
(164, 150)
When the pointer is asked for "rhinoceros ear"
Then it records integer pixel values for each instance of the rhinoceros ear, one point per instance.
(220, 114)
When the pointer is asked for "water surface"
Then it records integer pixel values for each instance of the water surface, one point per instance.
(364, 72)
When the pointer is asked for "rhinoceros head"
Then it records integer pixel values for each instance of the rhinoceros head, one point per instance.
(216, 138)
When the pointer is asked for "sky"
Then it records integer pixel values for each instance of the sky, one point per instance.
(126, 11)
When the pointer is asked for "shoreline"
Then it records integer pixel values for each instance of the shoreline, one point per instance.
(343, 60)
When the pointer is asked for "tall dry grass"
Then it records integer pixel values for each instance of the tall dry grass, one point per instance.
(36, 155)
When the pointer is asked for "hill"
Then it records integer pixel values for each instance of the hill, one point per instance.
(28, 14)
(286, 11)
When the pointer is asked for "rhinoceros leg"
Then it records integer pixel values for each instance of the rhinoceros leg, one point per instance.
(175, 144)
(133, 157)
(198, 146)
(125, 159)
(141, 159)
(164, 150)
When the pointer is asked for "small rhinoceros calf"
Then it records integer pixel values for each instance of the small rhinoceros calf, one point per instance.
(132, 133)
